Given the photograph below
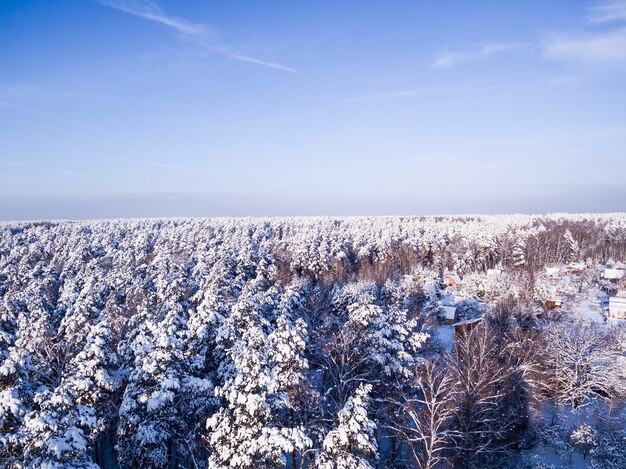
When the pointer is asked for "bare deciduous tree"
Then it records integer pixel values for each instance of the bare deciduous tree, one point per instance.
(425, 414)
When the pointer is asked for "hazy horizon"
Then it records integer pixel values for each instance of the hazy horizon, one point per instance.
(220, 205)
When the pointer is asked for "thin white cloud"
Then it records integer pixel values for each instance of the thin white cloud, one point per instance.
(606, 47)
(484, 52)
(157, 164)
(150, 11)
(205, 35)
(607, 12)
(253, 60)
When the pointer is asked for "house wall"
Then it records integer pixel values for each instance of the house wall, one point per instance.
(552, 304)
(464, 329)
(617, 308)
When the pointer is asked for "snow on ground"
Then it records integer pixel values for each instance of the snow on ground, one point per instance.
(550, 458)
(588, 311)
(587, 304)
(445, 336)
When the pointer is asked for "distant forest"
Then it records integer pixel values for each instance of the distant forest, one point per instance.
(301, 343)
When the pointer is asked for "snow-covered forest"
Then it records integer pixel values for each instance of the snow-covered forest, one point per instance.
(310, 342)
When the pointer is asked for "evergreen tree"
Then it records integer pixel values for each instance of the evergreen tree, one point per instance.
(519, 252)
(352, 445)
(246, 431)
(151, 429)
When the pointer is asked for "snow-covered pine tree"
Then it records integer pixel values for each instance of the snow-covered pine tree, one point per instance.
(374, 344)
(286, 348)
(519, 252)
(247, 431)
(17, 388)
(83, 309)
(94, 379)
(352, 444)
(27, 369)
(14, 369)
(58, 432)
(63, 431)
(151, 429)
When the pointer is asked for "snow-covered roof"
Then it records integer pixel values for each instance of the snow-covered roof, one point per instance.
(453, 276)
(448, 300)
(556, 299)
(493, 272)
(613, 274)
(617, 302)
(553, 270)
(449, 312)
(467, 321)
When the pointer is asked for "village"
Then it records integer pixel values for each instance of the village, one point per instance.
(595, 293)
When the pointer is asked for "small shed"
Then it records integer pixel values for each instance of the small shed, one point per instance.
(463, 327)
(617, 307)
(449, 314)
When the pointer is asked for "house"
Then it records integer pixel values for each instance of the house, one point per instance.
(613, 274)
(554, 302)
(452, 280)
(617, 307)
(449, 314)
(576, 268)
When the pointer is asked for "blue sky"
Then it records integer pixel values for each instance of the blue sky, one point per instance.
(147, 108)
